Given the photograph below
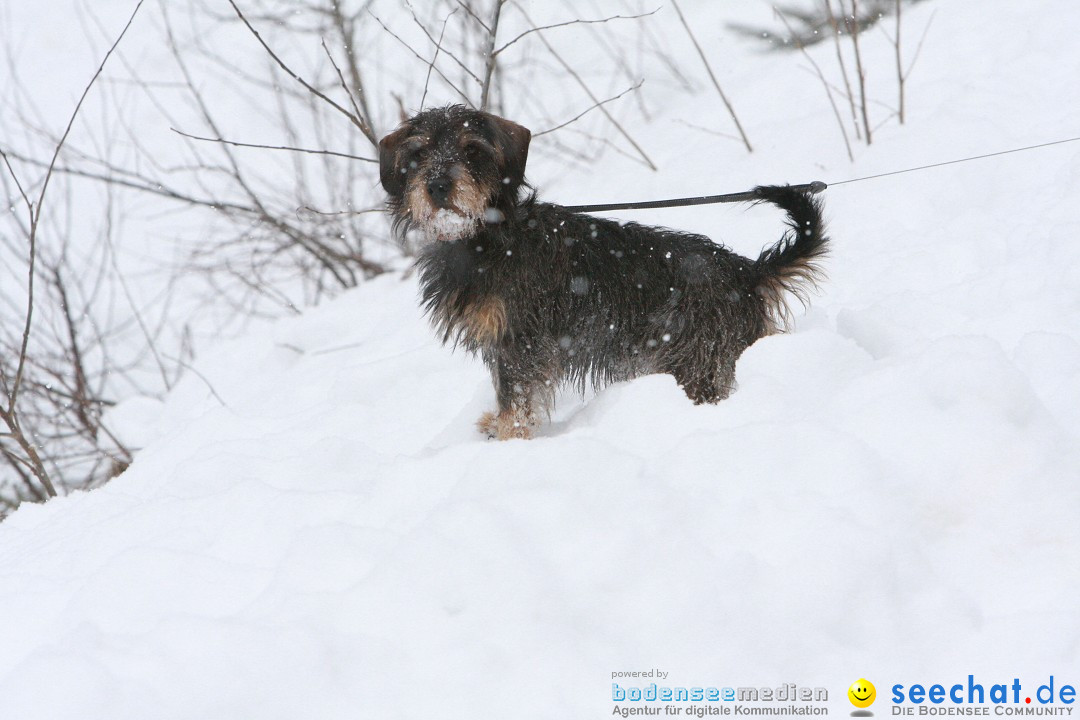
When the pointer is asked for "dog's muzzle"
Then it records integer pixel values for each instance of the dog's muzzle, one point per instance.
(439, 190)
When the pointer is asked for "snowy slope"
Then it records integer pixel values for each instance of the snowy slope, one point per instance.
(314, 529)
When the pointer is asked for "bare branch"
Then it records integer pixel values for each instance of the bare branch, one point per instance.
(78, 106)
(490, 54)
(366, 129)
(919, 47)
(347, 30)
(10, 414)
(860, 71)
(439, 43)
(36, 211)
(574, 22)
(715, 82)
(207, 383)
(309, 151)
(15, 177)
(144, 184)
(357, 121)
(821, 77)
(836, 32)
(435, 57)
(408, 47)
(590, 109)
(473, 15)
(899, 62)
(134, 306)
(598, 103)
(312, 210)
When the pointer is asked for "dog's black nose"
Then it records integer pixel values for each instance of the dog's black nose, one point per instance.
(439, 189)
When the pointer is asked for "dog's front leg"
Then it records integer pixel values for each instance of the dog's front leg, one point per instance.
(516, 374)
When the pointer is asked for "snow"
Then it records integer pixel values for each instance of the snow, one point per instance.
(315, 529)
(447, 225)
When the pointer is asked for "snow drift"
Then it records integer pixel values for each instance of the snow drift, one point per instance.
(315, 529)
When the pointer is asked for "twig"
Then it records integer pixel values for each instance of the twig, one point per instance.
(710, 131)
(843, 66)
(821, 76)
(81, 392)
(10, 414)
(340, 212)
(489, 64)
(919, 47)
(899, 63)
(598, 103)
(589, 109)
(435, 57)
(15, 177)
(20, 466)
(573, 22)
(147, 335)
(417, 55)
(36, 212)
(716, 84)
(347, 30)
(473, 15)
(359, 122)
(859, 69)
(196, 373)
(309, 151)
(368, 132)
(438, 43)
(144, 184)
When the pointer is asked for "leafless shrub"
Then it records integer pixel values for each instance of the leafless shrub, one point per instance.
(803, 28)
(271, 214)
(52, 402)
(712, 77)
(828, 94)
(809, 27)
(286, 240)
(860, 71)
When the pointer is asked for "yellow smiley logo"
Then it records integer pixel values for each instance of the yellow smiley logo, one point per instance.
(862, 693)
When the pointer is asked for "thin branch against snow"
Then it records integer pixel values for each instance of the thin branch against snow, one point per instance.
(11, 413)
(356, 120)
(712, 77)
(572, 22)
(598, 103)
(589, 109)
(490, 54)
(464, 96)
(289, 148)
(435, 57)
(439, 47)
(824, 82)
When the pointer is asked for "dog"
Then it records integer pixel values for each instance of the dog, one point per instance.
(549, 297)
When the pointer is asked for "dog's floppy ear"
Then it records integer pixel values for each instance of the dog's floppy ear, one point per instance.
(513, 143)
(393, 181)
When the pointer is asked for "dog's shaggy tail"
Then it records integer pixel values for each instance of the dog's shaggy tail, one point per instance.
(793, 264)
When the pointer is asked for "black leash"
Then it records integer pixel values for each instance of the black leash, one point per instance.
(813, 187)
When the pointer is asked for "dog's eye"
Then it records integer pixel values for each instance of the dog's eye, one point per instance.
(414, 155)
(479, 150)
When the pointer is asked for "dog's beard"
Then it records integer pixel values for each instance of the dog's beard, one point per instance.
(446, 225)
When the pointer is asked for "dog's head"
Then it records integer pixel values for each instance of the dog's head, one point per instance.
(448, 169)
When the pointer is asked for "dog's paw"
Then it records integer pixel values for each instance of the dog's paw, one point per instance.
(504, 426)
(486, 424)
(512, 431)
